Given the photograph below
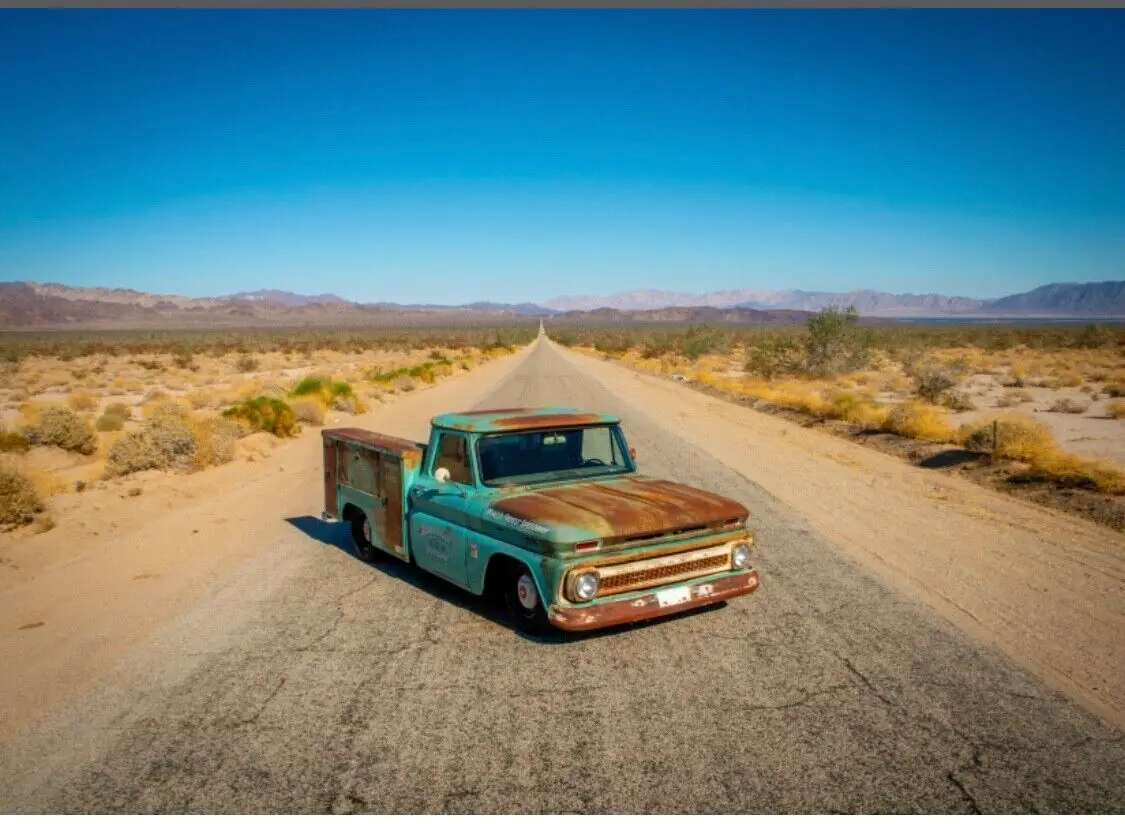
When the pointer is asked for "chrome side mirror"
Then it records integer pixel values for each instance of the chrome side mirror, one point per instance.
(441, 475)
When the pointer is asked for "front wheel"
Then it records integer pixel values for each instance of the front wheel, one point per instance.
(361, 539)
(525, 607)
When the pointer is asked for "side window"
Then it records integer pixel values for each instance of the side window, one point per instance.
(453, 454)
(598, 443)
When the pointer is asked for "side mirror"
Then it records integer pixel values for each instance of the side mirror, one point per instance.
(441, 475)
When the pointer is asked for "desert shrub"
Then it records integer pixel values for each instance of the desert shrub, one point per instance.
(1018, 438)
(958, 401)
(185, 359)
(121, 410)
(403, 383)
(932, 380)
(171, 430)
(62, 428)
(1115, 391)
(13, 441)
(216, 438)
(19, 502)
(775, 356)
(836, 342)
(1116, 409)
(1068, 406)
(318, 385)
(134, 452)
(156, 394)
(309, 410)
(264, 414)
(1014, 398)
(1094, 336)
(918, 421)
(336, 394)
(81, 401)
(201, 398)
(246, 363)
(171, 439)
(109, 422)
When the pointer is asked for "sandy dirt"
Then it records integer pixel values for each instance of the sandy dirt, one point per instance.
(254, 666)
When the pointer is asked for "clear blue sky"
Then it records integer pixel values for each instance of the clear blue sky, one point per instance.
(516, 155)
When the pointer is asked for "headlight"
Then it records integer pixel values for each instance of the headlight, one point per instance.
(740, 555)
(585, 586)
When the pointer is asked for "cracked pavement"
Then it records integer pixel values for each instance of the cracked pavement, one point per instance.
(310, 682)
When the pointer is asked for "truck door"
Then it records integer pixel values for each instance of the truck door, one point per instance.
(438, 523)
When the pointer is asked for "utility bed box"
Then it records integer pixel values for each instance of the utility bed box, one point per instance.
(373, 472)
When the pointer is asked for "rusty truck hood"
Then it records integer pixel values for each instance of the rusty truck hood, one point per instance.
(622, 509)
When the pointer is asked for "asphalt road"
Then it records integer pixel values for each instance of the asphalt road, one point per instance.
(309, 681)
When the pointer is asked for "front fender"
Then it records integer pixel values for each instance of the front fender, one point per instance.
(481, 550)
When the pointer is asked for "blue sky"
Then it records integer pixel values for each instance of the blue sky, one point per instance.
(450, 156)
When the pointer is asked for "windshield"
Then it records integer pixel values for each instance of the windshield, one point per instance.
(529, 457)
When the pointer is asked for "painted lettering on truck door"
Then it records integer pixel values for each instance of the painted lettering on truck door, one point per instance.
(437, 522)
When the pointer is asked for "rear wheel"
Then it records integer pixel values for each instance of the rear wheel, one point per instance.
(521, 597)
(361, 538)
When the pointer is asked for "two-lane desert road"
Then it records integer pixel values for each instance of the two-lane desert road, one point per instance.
(308, 681)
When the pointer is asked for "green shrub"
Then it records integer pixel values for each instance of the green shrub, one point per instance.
(110, 423)
(19, 502)
(836, 342)
(264, 414)
(62, 428)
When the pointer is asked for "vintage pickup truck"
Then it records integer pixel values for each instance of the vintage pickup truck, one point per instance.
(543, 507)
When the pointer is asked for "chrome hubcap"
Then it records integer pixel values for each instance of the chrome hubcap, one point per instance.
(525, 591)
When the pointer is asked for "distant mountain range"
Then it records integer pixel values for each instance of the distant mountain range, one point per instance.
(1105, 299)
(29, 305)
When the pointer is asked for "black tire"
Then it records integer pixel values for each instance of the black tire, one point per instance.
(364, 549)
(519, 592)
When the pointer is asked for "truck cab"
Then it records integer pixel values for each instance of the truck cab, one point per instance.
(545, 507)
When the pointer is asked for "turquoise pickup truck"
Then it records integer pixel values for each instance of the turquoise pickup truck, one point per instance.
(543, 507)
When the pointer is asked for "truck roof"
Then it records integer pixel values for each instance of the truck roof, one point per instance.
(522, 418)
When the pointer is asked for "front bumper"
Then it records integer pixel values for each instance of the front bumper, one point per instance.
(648, 606)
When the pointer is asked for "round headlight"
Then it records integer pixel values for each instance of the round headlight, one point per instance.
(586, 586)
(740, 556)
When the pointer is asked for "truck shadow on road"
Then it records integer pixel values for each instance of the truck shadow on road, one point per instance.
(336, 536)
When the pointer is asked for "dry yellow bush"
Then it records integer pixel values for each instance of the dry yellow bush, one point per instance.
(201, 399)
(1018, 437)
(919, 421)
(309, 410)
(1116, 409)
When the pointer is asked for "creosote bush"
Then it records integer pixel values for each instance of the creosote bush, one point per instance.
(264, 414)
